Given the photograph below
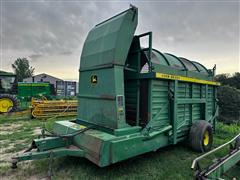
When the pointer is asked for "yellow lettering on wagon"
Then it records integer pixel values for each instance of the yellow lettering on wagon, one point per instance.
(186, 79)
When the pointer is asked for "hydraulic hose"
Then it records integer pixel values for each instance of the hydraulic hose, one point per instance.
(52, 134)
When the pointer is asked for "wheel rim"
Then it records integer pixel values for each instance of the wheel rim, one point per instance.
(6, 105)
(206, 138)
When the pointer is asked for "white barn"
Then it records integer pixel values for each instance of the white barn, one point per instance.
(43, 78)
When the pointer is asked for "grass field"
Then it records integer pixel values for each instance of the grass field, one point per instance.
(172, 162)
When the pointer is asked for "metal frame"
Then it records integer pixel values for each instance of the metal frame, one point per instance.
(149, 49)
(221, 166)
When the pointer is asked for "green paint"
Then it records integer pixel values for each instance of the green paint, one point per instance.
(130, 112)
(106, 47)
(221, 165)
(33, 89)
(222, 168)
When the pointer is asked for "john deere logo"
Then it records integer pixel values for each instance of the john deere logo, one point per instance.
(94, 79)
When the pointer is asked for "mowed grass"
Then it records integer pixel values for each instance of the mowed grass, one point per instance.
(172, 162)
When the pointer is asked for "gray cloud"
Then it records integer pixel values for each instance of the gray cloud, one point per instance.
(35, 56)
(191, 29)
(48, 27)
(66, 53)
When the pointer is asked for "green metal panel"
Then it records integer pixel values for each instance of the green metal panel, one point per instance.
(131, 89)
(210, 101)
(188, 105)
(160, 102)
(104, 54)
(174, 112)
(33, 89)
(98, 146)
(132, 86)
(184, 109)
(109, 41)
(101, 99)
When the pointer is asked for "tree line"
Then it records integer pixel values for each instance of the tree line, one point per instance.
(229, 97)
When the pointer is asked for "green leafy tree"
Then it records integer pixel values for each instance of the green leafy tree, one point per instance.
(22, 69)
(235, 80)
(223, 78)
(226, 79)
(229, 97)
(229, 103)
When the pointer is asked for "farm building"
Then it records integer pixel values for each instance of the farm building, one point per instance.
(62, 88)
(43, 78)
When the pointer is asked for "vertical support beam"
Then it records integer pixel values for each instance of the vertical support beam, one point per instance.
(149, 54)
(191, 105)
(184, 105)
(150, 101)
(206, 104)
(138, 102)
(150, 51)
(138, 87)
(201, 92)
(215, 106)
(175, 102)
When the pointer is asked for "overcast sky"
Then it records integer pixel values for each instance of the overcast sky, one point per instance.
(51, 33)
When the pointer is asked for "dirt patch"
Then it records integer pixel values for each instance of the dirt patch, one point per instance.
(21, 172)
(37, 131)
(4, 143)
(9, 128)
(7, 147)
(5, 155)
(5, 132)
(20, 141)
(5, 159)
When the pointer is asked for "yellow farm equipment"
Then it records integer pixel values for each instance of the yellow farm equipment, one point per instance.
(43, 108)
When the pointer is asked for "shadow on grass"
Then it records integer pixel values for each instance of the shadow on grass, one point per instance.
(160, 164)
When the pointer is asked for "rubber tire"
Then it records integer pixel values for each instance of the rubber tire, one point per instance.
(13, 99)
(196, 136)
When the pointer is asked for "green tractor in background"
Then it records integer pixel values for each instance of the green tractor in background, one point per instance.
(39, 97)
(17, 96)
(8, 90)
